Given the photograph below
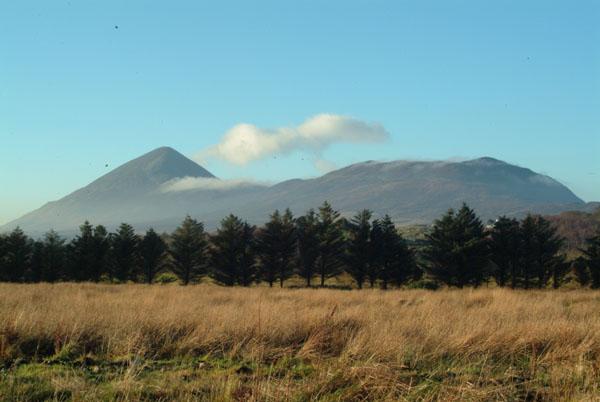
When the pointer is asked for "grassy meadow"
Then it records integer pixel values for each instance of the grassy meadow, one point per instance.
(137, 342)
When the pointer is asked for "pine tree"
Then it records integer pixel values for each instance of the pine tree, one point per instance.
(330, 243)
(125, 253)
(54, 251)
(232, 253)
(402, 261)
(540, 251)
(152, 252)
(529, 250)
(458, 250)
(581, 271)
(247, 255)
(392, 260)
(559, 268)
(101, 245)
(33, 273)
(307, 228)
(505, 246)
(376, 253)
(18, 249)
(81, 255)
(358, 248)
(188, 250)
(592, 258)
(550, 262)
(2, 256)
(276, 245)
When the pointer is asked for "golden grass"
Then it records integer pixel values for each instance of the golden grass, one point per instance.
(208, 342)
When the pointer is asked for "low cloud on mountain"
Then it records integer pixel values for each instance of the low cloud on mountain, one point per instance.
(204, 183)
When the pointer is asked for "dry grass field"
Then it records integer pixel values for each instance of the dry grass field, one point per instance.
(137, 342)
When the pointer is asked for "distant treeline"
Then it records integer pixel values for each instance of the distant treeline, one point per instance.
(459, 250)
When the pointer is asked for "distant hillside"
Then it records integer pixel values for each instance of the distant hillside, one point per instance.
(147, 191)
(576, 226)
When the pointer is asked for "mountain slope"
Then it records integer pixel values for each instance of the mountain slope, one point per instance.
(418, 192)
(411, 192)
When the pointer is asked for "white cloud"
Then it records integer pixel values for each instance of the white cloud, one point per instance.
(246, 142)
(204, 183)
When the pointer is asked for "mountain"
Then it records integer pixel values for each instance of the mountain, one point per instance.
(141, 192)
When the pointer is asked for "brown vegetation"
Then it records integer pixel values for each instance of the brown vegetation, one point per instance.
(172, 342)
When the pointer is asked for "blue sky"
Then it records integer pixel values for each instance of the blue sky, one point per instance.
(84, 84)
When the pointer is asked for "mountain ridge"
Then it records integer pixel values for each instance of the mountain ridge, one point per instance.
(410, 191)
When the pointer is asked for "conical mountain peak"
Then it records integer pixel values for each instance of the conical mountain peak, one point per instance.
(143, 174)
(163, 164)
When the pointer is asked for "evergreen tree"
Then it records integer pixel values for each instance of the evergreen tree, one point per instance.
(33, 273)
(247, 255)
(358, 248)
(330, 243)
(392, 259)
(81, 255)
(529, 250)
(549, 261)
(54, 253)
(276, 245)
(307, 228)
(505, 246)
(376, 253)
(232, 253)
(152, 252)
(188, 250)
(125, 253)
(559, 268)
(2, 256)
(17, 256)
(100, 250)
(458, 250)
(581, 271)
(403, 265)
(541, 246)
(592, 258)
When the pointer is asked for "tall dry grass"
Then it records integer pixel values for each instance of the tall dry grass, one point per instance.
(468, 344)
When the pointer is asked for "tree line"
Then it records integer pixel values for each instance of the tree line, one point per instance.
(459, 251)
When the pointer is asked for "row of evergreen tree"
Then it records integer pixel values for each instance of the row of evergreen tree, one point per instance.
(459, 251)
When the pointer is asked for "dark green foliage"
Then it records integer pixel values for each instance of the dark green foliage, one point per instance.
(2, 256)
(82, 255)
(458, 252)
(152, 252)
(54, 257)
(560, 268)
(528, 251)
(505, 247)
(581, 271)
(307, 231)
(540, 247)
(276, 245)
(391, 259)
(458, 249)
(34, 271)
(188, 250)
(592, 258)
(358, 247)
(18, 249)
(125, 253)
(101, 245)
(376, 251)
(331, 244)
(232, 253)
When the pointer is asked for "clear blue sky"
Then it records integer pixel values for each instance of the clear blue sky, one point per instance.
(84, 84)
